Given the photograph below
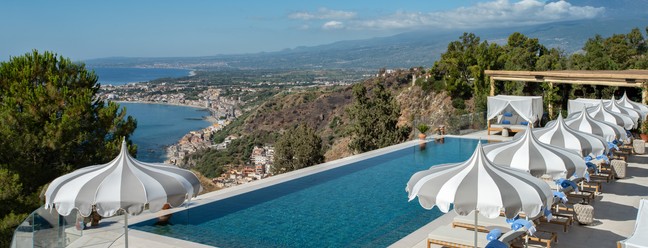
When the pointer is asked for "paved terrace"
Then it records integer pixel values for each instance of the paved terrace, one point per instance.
(615, 210)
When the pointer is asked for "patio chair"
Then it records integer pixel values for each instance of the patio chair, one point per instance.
(638, 237)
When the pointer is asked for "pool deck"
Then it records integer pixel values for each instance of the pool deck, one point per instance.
(615, 209)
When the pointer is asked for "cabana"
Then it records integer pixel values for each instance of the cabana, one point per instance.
(513, 112)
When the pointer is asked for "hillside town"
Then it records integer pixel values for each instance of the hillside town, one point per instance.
(210, 97)
(261, 167)
(223, 111)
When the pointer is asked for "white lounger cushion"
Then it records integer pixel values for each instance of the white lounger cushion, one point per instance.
(458, 236)
(499, 222)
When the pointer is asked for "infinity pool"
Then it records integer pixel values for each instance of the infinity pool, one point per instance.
(362, 204)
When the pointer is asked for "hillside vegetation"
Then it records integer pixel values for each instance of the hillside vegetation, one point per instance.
(53, 125)
(441, 95)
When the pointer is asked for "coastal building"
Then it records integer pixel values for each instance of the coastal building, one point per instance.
(262, 158)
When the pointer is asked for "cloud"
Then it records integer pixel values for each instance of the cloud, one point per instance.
(333, 25)
(323, 13)
(495, 13)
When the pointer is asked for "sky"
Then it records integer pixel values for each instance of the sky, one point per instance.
(86, 29)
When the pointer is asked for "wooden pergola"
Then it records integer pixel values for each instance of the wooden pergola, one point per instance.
(625, 78)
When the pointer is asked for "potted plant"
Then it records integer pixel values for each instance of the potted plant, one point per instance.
(644, 131)
(422, 129)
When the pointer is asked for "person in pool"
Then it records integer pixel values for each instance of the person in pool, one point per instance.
(164, 219)
(440, 132)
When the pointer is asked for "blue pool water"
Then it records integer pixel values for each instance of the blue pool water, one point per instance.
(363, 204)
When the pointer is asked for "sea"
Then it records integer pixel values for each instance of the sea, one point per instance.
(158, 125)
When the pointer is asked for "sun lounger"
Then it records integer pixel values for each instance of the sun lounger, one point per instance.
(583, 195)
(638, 237)
(458, 237)
(565, 220)
(545, 238)
(621, 155)
(484, 224)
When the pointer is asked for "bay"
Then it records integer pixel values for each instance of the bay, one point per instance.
(120, 76)
(160, 125)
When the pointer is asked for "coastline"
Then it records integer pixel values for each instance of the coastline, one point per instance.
(210, 118)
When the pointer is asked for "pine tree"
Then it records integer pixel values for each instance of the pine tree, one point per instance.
(51, 123)
(297, 148)
(374, 120)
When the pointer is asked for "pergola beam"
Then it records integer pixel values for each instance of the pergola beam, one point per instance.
(624, 78)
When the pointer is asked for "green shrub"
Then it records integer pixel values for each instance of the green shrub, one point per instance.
(423, 128)
(458, 103)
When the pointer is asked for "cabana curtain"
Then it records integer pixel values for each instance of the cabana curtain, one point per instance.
(527, 107)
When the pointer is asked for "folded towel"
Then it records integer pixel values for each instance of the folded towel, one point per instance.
(508, 114)
(506, 122)
(524, 123)
(494, 234)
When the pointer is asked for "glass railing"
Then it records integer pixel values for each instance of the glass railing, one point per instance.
(45, 228)
(466, 123)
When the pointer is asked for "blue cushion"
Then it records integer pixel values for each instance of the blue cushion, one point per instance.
(506, 122)
(496, 244)
(494, 234)
(508, 114)
(524, 123)
(521, 223)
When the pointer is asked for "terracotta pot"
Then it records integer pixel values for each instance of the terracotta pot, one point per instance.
(422, 136)
(644, 137)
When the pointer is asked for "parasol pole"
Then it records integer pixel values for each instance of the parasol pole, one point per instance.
(476, 213)
(526, 237)
(126, 229)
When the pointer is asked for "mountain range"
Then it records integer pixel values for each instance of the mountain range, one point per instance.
(404, 50)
